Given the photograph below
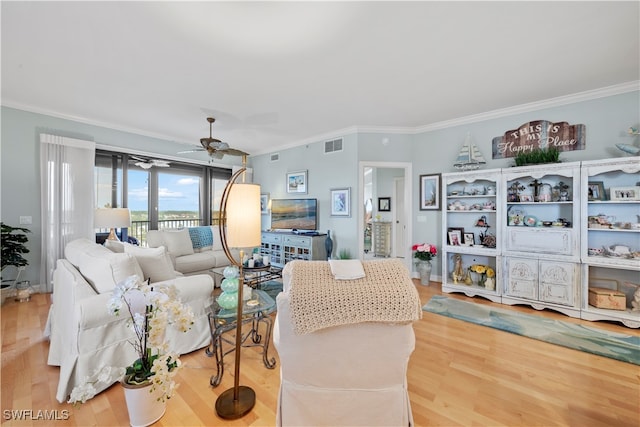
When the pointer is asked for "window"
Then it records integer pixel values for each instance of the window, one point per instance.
(182, 195)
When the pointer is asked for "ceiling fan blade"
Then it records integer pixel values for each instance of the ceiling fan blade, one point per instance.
(195, 150)
(144, 165)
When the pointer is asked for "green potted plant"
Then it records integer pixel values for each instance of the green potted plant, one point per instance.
(13, 247)
(538, 156)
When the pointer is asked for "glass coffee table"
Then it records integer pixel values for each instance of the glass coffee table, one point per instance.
(252, 276)
(255, 311)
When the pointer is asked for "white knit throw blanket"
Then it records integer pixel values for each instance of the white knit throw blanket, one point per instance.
(318, 301)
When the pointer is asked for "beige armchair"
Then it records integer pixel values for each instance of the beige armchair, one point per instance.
(354, 374)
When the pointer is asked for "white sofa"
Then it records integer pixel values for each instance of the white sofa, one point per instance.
(193, 250)
(84, 337)
(347, 375)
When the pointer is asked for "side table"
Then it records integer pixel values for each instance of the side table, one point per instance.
(255, 311)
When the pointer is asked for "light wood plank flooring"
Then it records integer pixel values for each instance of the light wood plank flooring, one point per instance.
(459, 375)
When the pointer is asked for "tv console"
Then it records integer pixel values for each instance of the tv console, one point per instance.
(285, 246)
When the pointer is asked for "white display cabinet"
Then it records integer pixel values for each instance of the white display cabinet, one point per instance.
(470, 206)
(610, 235)
(541, 242)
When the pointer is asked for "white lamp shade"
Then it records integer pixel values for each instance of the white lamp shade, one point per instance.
(112, 218)
(243, 216)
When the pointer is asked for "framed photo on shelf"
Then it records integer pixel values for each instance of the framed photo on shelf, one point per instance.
(264, 203)
(341, 201)
(454, 235)
(595, 190)
(384, 204)
(625, 193)
(430, 192)
(297, 182)
(469, 239)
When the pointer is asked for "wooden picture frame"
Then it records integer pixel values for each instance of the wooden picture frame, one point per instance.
(297, 182)
(595, 190)
(454, 236)
(469, 239)
(384, 204)
(430, 192)
(341, 202)
(624, 193)
(264, 204)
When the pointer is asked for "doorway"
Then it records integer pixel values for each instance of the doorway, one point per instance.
(400, 190)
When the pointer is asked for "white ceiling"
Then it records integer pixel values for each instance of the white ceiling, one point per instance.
(277, 75)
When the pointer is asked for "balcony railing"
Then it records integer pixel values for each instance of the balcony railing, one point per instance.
(139, 229)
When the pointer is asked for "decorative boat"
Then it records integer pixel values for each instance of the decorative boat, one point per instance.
(469, 157)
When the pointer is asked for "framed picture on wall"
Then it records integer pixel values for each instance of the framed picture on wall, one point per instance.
(384, 204)
(341, 201)
(264, 203)
(297, 182)
(430, 192)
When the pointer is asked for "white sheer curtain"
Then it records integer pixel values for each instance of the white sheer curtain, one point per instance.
(67, 190)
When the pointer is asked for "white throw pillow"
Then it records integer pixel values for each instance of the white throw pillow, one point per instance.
(178, 242)
(105, 271)
(114, 246)
(155, 262)
(217, 243)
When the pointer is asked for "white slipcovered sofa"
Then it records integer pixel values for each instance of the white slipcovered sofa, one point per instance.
(84, 337)
(338, 365)
(193, 250)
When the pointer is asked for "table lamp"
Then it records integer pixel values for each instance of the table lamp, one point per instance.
(112, 218)
(239, 228)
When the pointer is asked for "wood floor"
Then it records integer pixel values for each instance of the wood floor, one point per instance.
(459, 375)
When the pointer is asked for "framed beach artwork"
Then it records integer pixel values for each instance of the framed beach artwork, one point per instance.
(430, 192)
(297, 182)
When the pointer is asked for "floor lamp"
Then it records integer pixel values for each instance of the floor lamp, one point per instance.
(112, 218)
(239, 228)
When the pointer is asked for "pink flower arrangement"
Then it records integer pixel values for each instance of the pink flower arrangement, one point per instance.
(424, 251)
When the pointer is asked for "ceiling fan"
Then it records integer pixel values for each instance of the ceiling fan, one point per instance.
(149, 163)
(216, 148)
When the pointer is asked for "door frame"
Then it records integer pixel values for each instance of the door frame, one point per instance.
(408, 208)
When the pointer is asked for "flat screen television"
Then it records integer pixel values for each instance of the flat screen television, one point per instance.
(289, 214)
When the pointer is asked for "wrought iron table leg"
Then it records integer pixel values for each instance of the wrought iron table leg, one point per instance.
(270, 364)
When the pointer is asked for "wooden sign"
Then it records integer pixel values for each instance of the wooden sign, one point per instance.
(539, 134)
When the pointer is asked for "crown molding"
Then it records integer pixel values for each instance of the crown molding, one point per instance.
(86, 121)
(494, 114)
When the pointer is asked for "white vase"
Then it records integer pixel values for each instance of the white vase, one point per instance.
(144, 407)
(424, 270)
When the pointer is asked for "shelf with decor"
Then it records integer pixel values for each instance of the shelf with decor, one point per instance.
(471, 232)
(610, 236)
(541, 239)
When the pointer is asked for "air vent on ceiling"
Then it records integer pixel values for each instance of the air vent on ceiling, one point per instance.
(275, 157)
(333, 145)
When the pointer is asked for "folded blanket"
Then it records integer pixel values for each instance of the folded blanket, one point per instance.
(346, 269)
(319, 301)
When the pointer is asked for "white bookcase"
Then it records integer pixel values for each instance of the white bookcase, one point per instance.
(541, 246)
(610, 235)
(470, 199)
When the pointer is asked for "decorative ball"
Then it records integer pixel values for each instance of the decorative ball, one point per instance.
(229, 285)
(231, 272)
(228, 300)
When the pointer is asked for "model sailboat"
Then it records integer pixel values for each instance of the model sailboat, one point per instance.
(469, 157)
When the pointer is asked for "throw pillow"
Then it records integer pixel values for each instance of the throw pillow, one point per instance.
(217, 244)
(103, 272)
(178, 242)
(114, 246)
(155, 262)
(201, 237)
